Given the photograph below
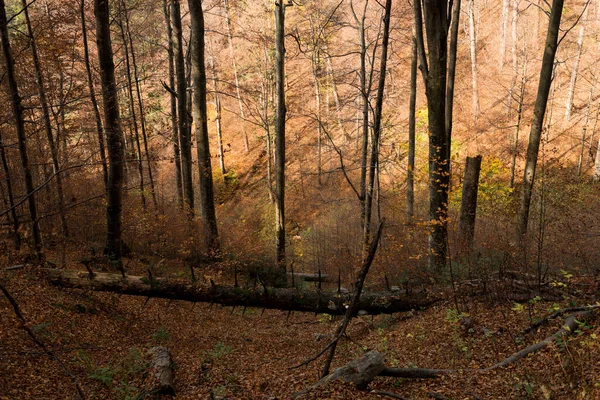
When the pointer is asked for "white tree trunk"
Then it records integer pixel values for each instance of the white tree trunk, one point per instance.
(473, 53)
(571, 92)
(503, 32)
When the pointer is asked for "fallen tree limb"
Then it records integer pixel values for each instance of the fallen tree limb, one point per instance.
(554, 315)
(288, 299)
(568, 328)
(415, 373)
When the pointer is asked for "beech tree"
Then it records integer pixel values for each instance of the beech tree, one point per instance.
(207, 202)
(17, 108)
(539, 111)
(114, 135)
(436, 15)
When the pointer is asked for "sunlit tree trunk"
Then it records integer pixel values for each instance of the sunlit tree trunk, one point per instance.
(336, 97)
(473, 54)
(377, 117)
(132, 111)
(182, 111)
(575, 70)
(92, 91)
(114, 135)
(140, 104)
(586, 122)
(280, 115)
(515, 148)
(235, 73)
(217, 104)
(503, 28)
(412, 111)
(538, 117)
(173, 97)
(451, 78)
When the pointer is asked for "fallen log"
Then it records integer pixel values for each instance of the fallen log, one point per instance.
(288, 299)
(161, 375)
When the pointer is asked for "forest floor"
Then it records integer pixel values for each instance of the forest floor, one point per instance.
(102, 339)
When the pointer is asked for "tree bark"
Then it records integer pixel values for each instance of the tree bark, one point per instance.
(17, 108)
(503, 26)
(468, 207)
(575, 71)
(280, 116)
(207, 201)
(289, 299)
(377, 117)
(586, 122)
(141, 107)
(515, 147)
(217, 104)
(114, 135)
(412, 111)
(133, 115)
(437, 23)
(92, 91)
(235, 74)
(182, 111)
(11, 198)
(538, 117)
(450, 83)
(473, 54)
(46, 119)
(173, 96)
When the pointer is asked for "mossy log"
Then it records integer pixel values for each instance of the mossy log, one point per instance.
(289, 299)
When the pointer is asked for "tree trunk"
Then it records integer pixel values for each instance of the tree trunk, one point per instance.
(235, 74)
(412, 111)
(511, 90)
(207, 201)
(182, 111)
(584, 130)
(450, 83)
(504, 26)
(365, 91)
(46, 119)
(290, 299)
(315, 65)
(138, 147)
(575, 71)
(473, 54)
(377, 117)
(17, 107)
(468, 207)
(90, 82)
(336, 97)
(11, 197)
(217, 104)
(515, 147)
(141, 107)
(437, 22)
(538, 117)
(280, 134)
(114, 135)
(173, 96)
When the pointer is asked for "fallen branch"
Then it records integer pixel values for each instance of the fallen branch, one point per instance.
(37, 341)
(389, 394)
(567, 329)
(415, 373)
(554, 315)
(288, 299)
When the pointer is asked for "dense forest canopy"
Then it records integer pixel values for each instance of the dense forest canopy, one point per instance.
(385, 144)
